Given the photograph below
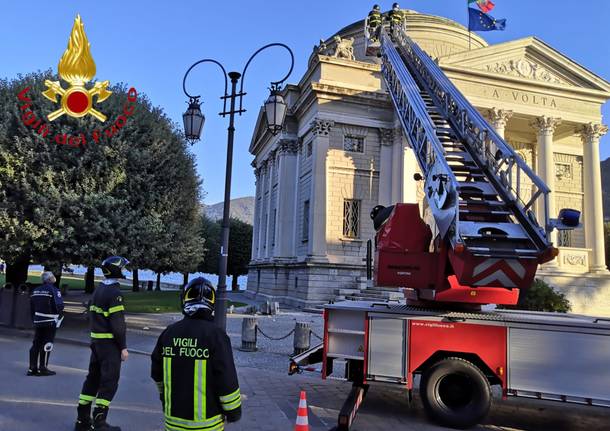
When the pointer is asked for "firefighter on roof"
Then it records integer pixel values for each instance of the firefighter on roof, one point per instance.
(396, 17)
(108, 348)
(374, 23)
(192, 365)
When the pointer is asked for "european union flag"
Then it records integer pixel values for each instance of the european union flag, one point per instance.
(480, 21)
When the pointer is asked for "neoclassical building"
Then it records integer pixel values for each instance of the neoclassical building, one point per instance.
(342, 152)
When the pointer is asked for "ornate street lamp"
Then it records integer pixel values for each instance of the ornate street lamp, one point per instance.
(193, 118)
(275, 110)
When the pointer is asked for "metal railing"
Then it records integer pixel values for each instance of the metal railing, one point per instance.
(493, 154)
(441, 186)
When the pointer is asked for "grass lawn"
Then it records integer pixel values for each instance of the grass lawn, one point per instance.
(157, 302)
(74, 283)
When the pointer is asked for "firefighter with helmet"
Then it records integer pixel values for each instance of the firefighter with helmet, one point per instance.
(192, 365)
(374, 23)
(396, 17)
(108, 348)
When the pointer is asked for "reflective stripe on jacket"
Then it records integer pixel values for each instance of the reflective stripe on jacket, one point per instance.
(193, 367)
(106, 314)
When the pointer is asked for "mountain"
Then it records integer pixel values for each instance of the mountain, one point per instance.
(241, 209)
(605, 168)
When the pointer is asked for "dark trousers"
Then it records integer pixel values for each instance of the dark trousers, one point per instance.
(42, 346)
(102, 381)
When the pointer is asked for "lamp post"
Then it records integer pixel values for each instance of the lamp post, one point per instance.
(193, 118)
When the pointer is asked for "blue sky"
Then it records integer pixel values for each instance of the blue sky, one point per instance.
(150, 44)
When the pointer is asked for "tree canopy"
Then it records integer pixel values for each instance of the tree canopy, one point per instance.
(240, 247)
(135, 193)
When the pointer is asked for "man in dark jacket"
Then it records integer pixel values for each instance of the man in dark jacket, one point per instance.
(192, 365)
(47, 308)
(108, 348)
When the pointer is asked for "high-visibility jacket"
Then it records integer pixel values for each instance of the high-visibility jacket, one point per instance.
(374, 18)
(106, 314)
(46, 305)
(193, 367)
(395, 16)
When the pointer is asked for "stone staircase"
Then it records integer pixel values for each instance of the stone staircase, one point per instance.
(364, 293)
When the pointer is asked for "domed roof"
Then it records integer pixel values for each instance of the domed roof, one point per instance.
(438, 36)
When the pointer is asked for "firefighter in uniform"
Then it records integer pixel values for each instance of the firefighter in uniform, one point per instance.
(108, 348)
(47, 308)
(374, 23)
(192, 365)
(396, 17)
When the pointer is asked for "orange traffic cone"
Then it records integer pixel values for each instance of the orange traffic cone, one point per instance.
(302, 421)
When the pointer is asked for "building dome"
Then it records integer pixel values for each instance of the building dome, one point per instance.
(436, 35)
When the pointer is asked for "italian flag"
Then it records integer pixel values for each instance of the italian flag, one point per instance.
(484, 5)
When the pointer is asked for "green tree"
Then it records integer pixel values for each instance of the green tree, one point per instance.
(541, 297)
(240, 250)
(240, 247)
(210, 231)
(128, 195)
(607, 242)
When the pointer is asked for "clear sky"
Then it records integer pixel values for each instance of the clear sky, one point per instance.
(150, 44)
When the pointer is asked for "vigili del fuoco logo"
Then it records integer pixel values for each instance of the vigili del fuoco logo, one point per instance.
(77, 68)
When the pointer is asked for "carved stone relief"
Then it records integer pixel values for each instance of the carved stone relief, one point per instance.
(524, 69)
(321, 127)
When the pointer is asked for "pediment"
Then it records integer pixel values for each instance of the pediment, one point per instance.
(529, 59)
(259, 129)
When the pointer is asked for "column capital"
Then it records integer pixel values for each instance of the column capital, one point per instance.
(386, 136)
(592, 131)
(499, 117)
(288, 146)
(321, 127)
(545, 125)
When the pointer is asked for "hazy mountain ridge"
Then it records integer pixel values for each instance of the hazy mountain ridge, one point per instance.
(241, 209)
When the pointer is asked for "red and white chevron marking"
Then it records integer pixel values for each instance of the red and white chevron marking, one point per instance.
(506, 272)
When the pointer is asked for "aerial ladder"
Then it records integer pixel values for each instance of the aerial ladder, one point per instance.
(490, 230)
(482, 194)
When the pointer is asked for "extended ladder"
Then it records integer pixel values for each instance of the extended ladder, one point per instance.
(474, 180)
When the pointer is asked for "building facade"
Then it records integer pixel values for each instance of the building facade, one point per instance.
(342, 152)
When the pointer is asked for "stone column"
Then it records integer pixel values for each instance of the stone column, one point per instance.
(257, 208)
(397, 155)
(594, 215)
(286, 198)
(263, 208)
(317, 220)
(386, 139)
(269, 210)
(545, 165)
(498, 119)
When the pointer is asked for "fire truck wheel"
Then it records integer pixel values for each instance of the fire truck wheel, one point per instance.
(455, 393)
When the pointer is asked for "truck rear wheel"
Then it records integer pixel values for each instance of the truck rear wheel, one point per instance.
(455, 393)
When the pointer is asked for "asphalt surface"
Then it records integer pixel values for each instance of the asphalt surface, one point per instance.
(269, 395)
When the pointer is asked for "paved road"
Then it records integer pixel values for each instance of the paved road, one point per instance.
(269, 398)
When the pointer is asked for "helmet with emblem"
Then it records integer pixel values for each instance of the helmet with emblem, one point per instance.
(198, 297)
(112, 266)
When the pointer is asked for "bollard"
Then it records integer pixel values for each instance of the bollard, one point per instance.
(6, 304)
(302, 337)
(22, 315)
(248, 334)
(65, 288)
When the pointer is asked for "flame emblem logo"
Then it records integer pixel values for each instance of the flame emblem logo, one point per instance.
(77, 68)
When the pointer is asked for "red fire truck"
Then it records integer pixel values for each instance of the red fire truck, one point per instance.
(483, 246)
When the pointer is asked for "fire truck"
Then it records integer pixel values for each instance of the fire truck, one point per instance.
(482, 245)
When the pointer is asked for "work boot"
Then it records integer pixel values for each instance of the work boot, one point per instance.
(99, 421)
(83, 421)
(46, 372)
